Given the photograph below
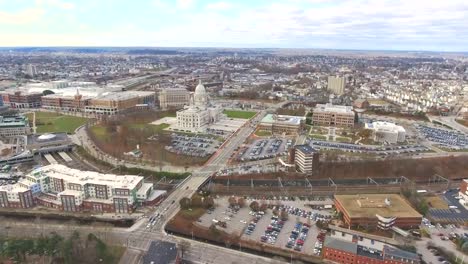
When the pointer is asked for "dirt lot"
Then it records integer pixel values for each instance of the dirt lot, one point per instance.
(437, 202)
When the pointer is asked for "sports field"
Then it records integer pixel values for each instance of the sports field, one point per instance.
(239, 114)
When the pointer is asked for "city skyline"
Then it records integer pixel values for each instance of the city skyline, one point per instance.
(310, 24)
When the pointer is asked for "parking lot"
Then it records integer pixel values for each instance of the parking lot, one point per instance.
(196, 146)
(282, 225)
(247, 169)
(264, 149)
(379, 150)
(447, 138)
(441, 236)
(456, 213)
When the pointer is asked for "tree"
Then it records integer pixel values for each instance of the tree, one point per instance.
(254, 206)
(208, 202)
(197, 201)
(263, 207)
(241, 202)
(184, 203)
(232, 201)
(184, 247)
(365, 133)
(284, 216)
(47, 92)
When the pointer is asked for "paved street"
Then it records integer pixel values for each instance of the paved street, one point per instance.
(138, 238)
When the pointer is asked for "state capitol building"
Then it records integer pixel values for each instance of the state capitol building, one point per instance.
(199, 113)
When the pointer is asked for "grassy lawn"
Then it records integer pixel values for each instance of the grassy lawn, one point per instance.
(239, 114)
(318, 137)
(263, 133)
(343, 139)
(154, 128)
(192, 214)
(48, 122)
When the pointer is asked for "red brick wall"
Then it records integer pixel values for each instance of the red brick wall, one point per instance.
(339, 256)
(463, 186)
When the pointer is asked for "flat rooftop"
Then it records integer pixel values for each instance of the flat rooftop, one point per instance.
(116, 96)
(47, 138)
(291, 120)
(83, 177)
(307, 149)
(369, 205)
(325, 108)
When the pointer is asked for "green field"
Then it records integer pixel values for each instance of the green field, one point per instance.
(263, 133)
(239, 114)
(48, 122)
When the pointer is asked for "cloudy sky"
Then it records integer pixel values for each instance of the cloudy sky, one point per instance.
(439, 25)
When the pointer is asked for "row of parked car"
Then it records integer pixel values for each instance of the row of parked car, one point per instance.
(444, 137)
(298, 236)
(303, 213)
(319, 243)
(272, 231)
(253, 224)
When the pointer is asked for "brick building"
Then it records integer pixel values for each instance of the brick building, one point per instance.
(351, 247)
(333, 115)
(21, 99)
(76, 103)
(377, 210)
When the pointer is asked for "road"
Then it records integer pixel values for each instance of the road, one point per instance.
(142, 236)
(138, 238)
(450, 121)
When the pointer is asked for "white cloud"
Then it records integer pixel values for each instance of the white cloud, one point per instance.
(56, 3)
(185, 4)
(22, 17)
(219, 6)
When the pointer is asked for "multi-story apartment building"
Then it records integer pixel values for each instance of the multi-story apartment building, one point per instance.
(306, 158)
(15, 196)
(21, 99)
(336, 85)
(118, 102)
(58, 186)
(333, 115)
(173, 98)
(11, 126)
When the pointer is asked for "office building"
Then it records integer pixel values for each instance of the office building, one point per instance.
(336, 85)
(386, 132)
(67, 103)
(31, 70)
(352, 247)
(120, 102)
(333, 115)
(377, 210)
(173, 98)
(306, 159)
(21, 99)
(279, 124)
(11, 126)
